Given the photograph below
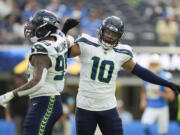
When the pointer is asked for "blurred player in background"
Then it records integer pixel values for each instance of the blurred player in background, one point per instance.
(126, 116)
(47, 65)
(154, 99)
(17, 108)
(101, 59)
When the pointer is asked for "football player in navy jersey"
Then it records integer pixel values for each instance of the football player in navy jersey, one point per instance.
(101, 58)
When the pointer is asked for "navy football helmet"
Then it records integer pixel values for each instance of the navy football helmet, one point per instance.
(41, 25)
(110, 32)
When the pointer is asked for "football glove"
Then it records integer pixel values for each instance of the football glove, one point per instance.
(175, 88)
(5, 98)
(69, 24)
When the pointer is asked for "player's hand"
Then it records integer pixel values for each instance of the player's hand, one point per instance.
(4, 99)
(69, 24)
(175, 88)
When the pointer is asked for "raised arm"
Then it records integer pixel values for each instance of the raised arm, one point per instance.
(74, 51)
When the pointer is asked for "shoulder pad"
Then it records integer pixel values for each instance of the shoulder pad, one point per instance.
(81, 37)
(125, 49)
(124, 46)
(40, 48)
(60, 33)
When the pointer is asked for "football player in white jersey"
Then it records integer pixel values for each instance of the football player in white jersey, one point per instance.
(47, 66)
(154, 99)
(101, 58)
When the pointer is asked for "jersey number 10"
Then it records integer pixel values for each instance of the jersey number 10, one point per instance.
(103, 69)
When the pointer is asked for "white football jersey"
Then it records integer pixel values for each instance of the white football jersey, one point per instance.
(98, 74)
(57, 51)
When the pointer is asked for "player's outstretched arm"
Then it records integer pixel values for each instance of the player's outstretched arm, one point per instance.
(40, 63)
(148, 76)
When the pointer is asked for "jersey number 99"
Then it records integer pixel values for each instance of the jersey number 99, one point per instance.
(61, 65)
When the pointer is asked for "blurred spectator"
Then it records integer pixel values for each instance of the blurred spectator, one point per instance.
(154, 9)
(175, 5)
(66, 124)
(30, 9)
(91, 23)
(126, 116)
(6, 7)
(79, 11)
(17, 108)
(19, 30)
(167, 29)
(4, 85)
(8, 35)
(62, 125)
(57, 8)
(20, 4)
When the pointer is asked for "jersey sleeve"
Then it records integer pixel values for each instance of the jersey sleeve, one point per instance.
(39, 48)
(126, 52)
(81, 40)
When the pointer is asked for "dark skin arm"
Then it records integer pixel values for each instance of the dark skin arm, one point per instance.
(75, 51)
(39, 62)
(129, 65)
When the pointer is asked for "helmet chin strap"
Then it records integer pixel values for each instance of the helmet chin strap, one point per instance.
(106, 46)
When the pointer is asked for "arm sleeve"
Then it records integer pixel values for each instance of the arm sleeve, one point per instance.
(149, 76)
(38, 48)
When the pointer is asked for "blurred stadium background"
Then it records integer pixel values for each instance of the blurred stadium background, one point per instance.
(146, 31)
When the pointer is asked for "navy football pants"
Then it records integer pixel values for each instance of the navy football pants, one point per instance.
(109, 122)
(44, 112)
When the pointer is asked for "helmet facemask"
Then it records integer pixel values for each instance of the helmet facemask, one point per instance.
(41, 25)
(110, 32)
(109, 38)
(29, 29)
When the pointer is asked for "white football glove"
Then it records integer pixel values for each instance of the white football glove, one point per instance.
(5, 98)
(71, 40)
